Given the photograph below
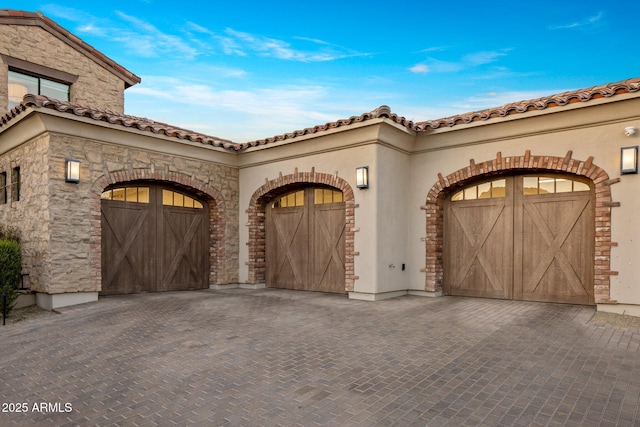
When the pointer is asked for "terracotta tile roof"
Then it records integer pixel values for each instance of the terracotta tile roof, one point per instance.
(147, 125)
(563, 99)
(381, 112)
(19, 17)
(559, 100)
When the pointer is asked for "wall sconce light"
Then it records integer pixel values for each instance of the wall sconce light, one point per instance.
(362, 177)
(630, 131)
(629, 160)
(72, 170)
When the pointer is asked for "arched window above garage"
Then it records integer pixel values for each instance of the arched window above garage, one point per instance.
(486, 190)
(550, 185)
(290, 200)
(174, 198)
(127, 194)
(326, 195)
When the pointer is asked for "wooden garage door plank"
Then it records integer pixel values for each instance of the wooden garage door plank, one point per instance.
(149, 246)
(305, 245)
(551, 246)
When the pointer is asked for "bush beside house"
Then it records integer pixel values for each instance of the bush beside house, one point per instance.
(10, 267)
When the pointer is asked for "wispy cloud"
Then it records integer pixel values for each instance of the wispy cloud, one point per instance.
(243, 43)
(589, 22)
(419, 69)
(481, 58)
(486, 100)
(145, 40)
(472, 60)
(293, 105)
(148, 41)
(433, 49)
(135, 35)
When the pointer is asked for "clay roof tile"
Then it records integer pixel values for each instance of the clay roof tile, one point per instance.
(559, 100)
(140, 123)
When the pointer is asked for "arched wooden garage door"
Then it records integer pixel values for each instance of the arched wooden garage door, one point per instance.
(305, 248)
(521, 237)
(154, 238)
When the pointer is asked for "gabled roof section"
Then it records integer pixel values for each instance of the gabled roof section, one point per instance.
(381, 112)
(18, 17)
(146, 125)
(544, 103)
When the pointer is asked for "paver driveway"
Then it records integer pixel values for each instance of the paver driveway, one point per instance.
(277, 357)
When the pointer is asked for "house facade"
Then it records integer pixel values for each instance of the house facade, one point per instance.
(526, 201)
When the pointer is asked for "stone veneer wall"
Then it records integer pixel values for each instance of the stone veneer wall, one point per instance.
(75, 245)
(31, 213)
(95, 87)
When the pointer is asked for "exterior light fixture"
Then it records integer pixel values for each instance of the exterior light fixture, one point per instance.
(362, 177)
(629, 160)
(72, 170)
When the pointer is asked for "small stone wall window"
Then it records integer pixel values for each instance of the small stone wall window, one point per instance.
(3, 188)
(15, 184)
(21, 84)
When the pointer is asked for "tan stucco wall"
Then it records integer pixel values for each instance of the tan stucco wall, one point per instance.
(329, 154)
(95, 86)
(597, 131)
(380, 214)
(390, 224)
(389, 180)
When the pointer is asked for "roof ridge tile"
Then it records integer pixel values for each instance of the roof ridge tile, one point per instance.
(559, 100)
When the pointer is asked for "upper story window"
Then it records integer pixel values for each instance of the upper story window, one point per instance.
(21, 84)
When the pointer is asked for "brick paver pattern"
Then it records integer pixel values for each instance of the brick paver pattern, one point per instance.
(276, 357)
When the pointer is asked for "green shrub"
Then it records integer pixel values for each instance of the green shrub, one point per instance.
(8, 232)
(10, 267)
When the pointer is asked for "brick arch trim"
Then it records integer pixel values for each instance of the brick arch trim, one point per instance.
(214, 198)
(280, 185)
(434, 208)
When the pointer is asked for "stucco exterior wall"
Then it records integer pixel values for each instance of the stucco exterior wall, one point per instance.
(95, 86)
(596, 132)
(325, 155)
(390, 179)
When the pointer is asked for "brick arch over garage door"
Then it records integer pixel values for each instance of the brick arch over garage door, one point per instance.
(217, 216)
(280, 185)
(434, 208)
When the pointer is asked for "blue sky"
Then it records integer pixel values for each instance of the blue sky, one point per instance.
(246, 70)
